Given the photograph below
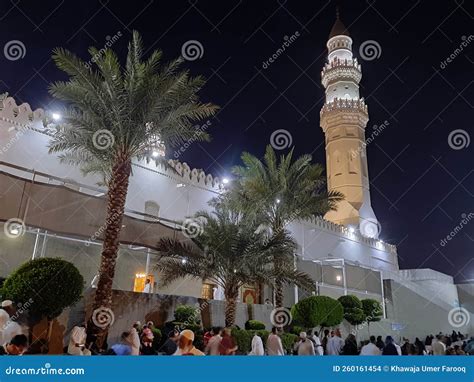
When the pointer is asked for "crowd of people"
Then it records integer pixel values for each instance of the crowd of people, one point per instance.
(147, 340)
(219, 341)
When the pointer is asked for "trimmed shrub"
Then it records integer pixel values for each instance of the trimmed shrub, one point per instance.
(254, 325)
(317, 311)
(243, 338)
(156, 338)
(353, 312)
(372, 309)
(288, 340)
(296, 329)
(49, 285)
(187, 314)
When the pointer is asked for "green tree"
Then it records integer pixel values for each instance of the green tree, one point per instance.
(117, 113)
(317, 311)
(353, 311)
(229, 252)
(278, 191)
(45, 286)
(373, 311)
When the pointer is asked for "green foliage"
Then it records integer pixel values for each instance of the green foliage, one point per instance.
(372, 309)
(297, 329)
(353, 311)
(48, 284)
(187, 314)
(229, 251)
(287, 341)
(156, 338)
(254, 325)
(243, 338)
(318, 311)
(130, 109)
(296, 182)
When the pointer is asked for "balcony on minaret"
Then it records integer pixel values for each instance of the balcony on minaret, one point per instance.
(341, 70)
(346, 105)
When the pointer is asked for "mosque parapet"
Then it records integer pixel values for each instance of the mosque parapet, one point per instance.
(353, 235)
(196, 176)
(18, 115)
(347, 105)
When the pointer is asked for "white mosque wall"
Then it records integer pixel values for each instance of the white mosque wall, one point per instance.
(28, 148)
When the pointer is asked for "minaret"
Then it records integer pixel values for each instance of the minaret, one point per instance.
(343, 120)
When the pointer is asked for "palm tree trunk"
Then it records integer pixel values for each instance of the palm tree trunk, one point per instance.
(231, 295)
(278, 283)
(116, 197)
(278, 293)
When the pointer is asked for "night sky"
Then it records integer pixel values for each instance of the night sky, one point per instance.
(420, 185)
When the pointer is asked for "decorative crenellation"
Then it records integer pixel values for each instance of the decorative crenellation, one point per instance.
(18, 115)
(196, 176)
(346, 105)
(338, 69)
(342, 230)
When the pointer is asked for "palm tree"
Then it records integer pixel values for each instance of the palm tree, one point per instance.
(278, 192)
(117, 113)
(229, 252)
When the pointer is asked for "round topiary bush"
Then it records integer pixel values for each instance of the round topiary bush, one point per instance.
(48, 284)
(353, 310)
(316, 311)
(187, 314)
(254, 325)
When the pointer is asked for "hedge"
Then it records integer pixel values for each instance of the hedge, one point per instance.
(254, 325)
